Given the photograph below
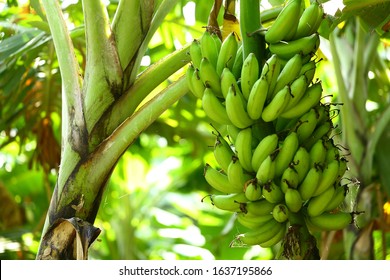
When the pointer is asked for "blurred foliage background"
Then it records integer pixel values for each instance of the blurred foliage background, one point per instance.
(152, 208)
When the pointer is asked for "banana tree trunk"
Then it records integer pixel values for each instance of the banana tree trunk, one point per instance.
(99, 118)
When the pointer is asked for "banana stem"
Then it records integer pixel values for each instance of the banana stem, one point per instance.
(252, 42)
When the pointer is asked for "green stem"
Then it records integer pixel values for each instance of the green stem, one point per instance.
(249, 23)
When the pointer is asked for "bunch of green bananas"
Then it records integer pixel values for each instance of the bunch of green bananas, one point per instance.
(277, 159)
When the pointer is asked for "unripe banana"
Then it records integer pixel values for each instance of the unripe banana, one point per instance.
(318, 153)
(271, 71)
(238, 62)
(236, 109)
(280, 213)
(209, 76)
(223, 153)
(214, 108)
(197, 84)
(289, 72)
(257, 98)
(329, 177)
(253, 222)
(276, 238)
(305, 46)
(332, 221)
(259, 208)
(338, 198)
(243, 146)
(332, 152)
(233, 202)
(308, 70)
(343, 167)
(321, 131)
(286, 23)
(196, 53)
(311, 98)
(266, 171)
(306, 125)
(286, 153)
(265, 147)
(210, 48)
(309, 184)
(227, 54)
(317, 205)
(310, 20)
(260, 235)
(277, 105)
(236, 174)
(290, 179)
(219, 181)
(232, 131)
(249, 74)
(253, 190)
(297, 90)
(189, 72)
(273, 193)
(301, 163)
(227, 80)
(293, 200)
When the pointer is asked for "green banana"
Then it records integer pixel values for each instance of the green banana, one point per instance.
(243, 146)
(293, 200)
(227, 53)
(232, 131)
(196, 53)
(306, 125)
(311, 98)
(329, 177)
(286, 23)
(343, 167)
(286, 153)
(289, 179)
(253, 190)
(309, 184)
(297, 90)
(233, 202)
(210, 48)
(289, 72)
(331, 221)
(227, 80)
(238, 62)
(214, 108)
(253, 222)
(272, 192)
(236, 174)
(305, 46)
(236, 109)
(308, 70)
(249, 74)
(197, 84)
(260, 235)
(223, 152)
(271, 71)
(318, 153)
(321, 131)
(257, 98)
(259, 208)
(280, 213)
(337, 199)
(265, 147)
(189, 72)
(310, 20)
(317, 204)
(266, 171)
(276, 238)
(277, 105)
(219, 181)
(209, 76)
(301, 163)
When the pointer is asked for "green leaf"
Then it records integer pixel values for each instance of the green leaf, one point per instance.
(383, 159)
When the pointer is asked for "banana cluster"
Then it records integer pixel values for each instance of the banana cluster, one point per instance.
(277, 160)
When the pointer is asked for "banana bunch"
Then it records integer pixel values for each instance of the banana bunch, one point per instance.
(277, 160)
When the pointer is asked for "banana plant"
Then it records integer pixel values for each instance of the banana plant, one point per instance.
(102, 114)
